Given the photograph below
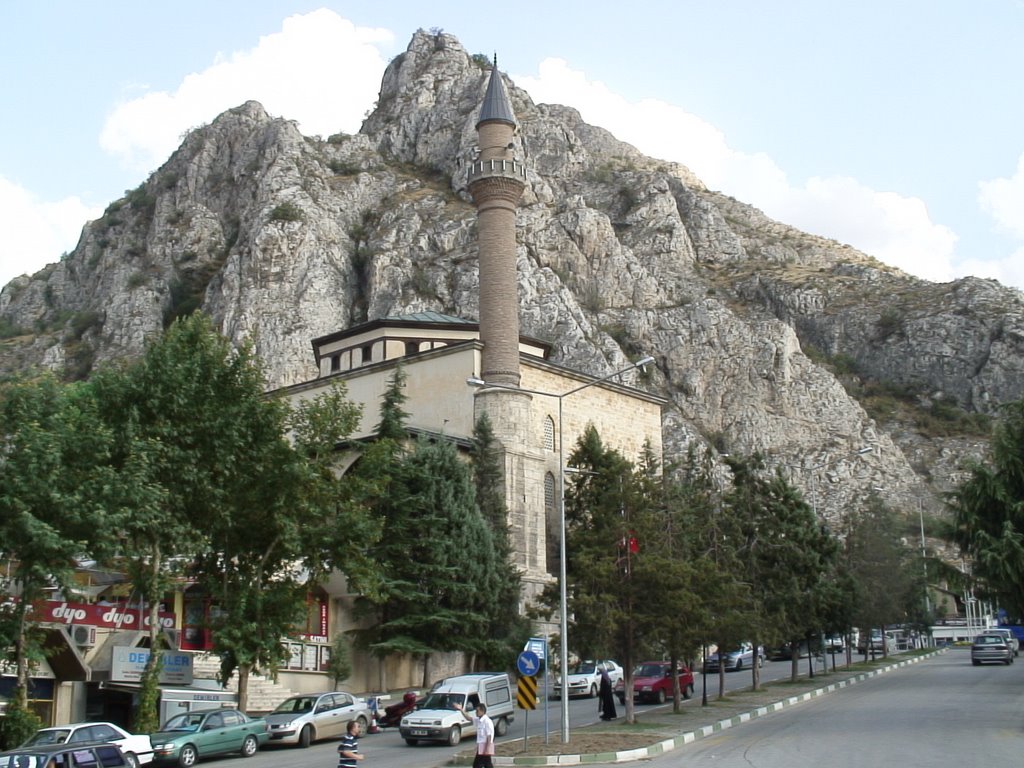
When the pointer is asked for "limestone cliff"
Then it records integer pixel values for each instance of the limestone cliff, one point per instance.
(766, 338)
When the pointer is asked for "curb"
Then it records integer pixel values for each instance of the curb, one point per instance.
(688, 737)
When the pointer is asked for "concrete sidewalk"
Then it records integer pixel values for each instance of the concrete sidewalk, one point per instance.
(659, 731)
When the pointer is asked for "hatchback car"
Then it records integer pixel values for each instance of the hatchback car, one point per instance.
(80, 755)
(585, 678)
(304, 719)
(736, 659)
(652, 683)
(137, 748)
(986, 648)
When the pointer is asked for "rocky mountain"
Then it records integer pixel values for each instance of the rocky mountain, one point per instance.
(766, 338)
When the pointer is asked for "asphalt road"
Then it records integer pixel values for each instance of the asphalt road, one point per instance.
(388, 750)
(940, 712)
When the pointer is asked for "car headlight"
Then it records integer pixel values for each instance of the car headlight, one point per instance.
(163, 747)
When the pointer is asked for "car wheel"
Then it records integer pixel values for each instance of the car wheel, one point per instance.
(688, 691)
(975, 662)
(131, 760)
(501, 727)
(187, 756)
(454, 736)
(305, 736)
(739, 664)
(364, 726)
(660, 697)
(593, 690)
(411, 742)
(249, 746)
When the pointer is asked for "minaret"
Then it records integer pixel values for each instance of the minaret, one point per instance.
(496, 182)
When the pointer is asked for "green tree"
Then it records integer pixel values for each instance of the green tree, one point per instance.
(884, 571)
(57, 496)
(283, 529)
(180, 420)
(989, 510)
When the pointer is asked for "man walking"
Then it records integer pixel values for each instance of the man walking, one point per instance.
(348, 749)
(484, 735)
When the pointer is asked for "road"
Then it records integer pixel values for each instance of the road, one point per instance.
(388, 750)
(942, 711)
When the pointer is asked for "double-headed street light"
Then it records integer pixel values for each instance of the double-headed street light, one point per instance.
(563, 590)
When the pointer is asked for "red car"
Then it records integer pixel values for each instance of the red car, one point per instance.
(652, 683)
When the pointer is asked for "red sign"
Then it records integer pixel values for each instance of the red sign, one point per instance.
(112, 616)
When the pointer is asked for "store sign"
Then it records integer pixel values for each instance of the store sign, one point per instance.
(129, 663)
(38, 669)
(111, 616)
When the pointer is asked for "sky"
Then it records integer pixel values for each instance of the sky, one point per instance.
(894, 126)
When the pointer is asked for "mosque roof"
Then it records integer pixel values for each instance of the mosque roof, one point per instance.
(496, 105)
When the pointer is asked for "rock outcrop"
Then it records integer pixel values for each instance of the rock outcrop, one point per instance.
(767, 339)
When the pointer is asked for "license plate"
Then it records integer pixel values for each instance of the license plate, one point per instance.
(419, 733)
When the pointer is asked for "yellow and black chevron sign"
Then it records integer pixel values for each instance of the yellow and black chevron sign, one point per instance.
(526, 696)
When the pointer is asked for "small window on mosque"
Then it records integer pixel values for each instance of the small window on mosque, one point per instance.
(335, 363)
(412, 347)
(549, 433)
(549, 492)
(367, 354)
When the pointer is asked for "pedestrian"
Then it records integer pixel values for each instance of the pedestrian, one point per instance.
(606, 707)
(348, 750)
(484, 735)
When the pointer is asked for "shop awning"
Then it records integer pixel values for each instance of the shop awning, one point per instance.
(62, 654)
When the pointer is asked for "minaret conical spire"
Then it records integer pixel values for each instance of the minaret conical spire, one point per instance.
(496, 105)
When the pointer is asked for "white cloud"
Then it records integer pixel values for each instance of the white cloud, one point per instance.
(320, 70)
(1003, 200)
(895, 229)
(36, 232)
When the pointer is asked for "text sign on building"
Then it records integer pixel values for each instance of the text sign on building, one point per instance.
(111, 616)
(129, 663)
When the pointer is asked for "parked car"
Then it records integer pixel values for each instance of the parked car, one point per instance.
(873, 642)
(784, 652)
(77, 755)
(991, 647)
(137, 748)
(652, 682)
(304, 719)
(585, 678)
(1011, 638)
(437, 718)
(835, 644)
(191, 736)
(736, 659)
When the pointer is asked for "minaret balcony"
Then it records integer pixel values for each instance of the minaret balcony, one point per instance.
(481, 169)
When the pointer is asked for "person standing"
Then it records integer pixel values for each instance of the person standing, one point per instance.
(348, 750)
(607, 708)
(484, 735)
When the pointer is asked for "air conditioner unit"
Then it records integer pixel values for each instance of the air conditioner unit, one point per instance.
(83, 635)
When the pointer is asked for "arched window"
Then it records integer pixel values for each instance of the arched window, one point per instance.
(549, 433)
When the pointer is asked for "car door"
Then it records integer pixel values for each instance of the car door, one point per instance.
(345, 705)
(326, 718)
(212, 736)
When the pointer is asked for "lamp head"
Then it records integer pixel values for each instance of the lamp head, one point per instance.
(645, 360)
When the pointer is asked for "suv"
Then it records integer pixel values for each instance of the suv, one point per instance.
(87, 755)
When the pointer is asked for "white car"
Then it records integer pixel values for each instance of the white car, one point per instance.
(585, 678)
(137, 748)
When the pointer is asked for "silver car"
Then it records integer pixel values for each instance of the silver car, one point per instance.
(304, 719)
(992, 647)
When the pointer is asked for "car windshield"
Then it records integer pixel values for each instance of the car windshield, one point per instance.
(650, 670)
(584, 668)
(443, 700)
(296, 705)
(51, 736)
(190, 721)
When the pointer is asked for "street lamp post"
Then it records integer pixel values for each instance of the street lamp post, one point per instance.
(563, 590)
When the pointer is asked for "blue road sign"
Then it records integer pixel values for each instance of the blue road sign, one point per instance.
(528, 663)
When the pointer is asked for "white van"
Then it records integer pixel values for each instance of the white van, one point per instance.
(436, 718)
